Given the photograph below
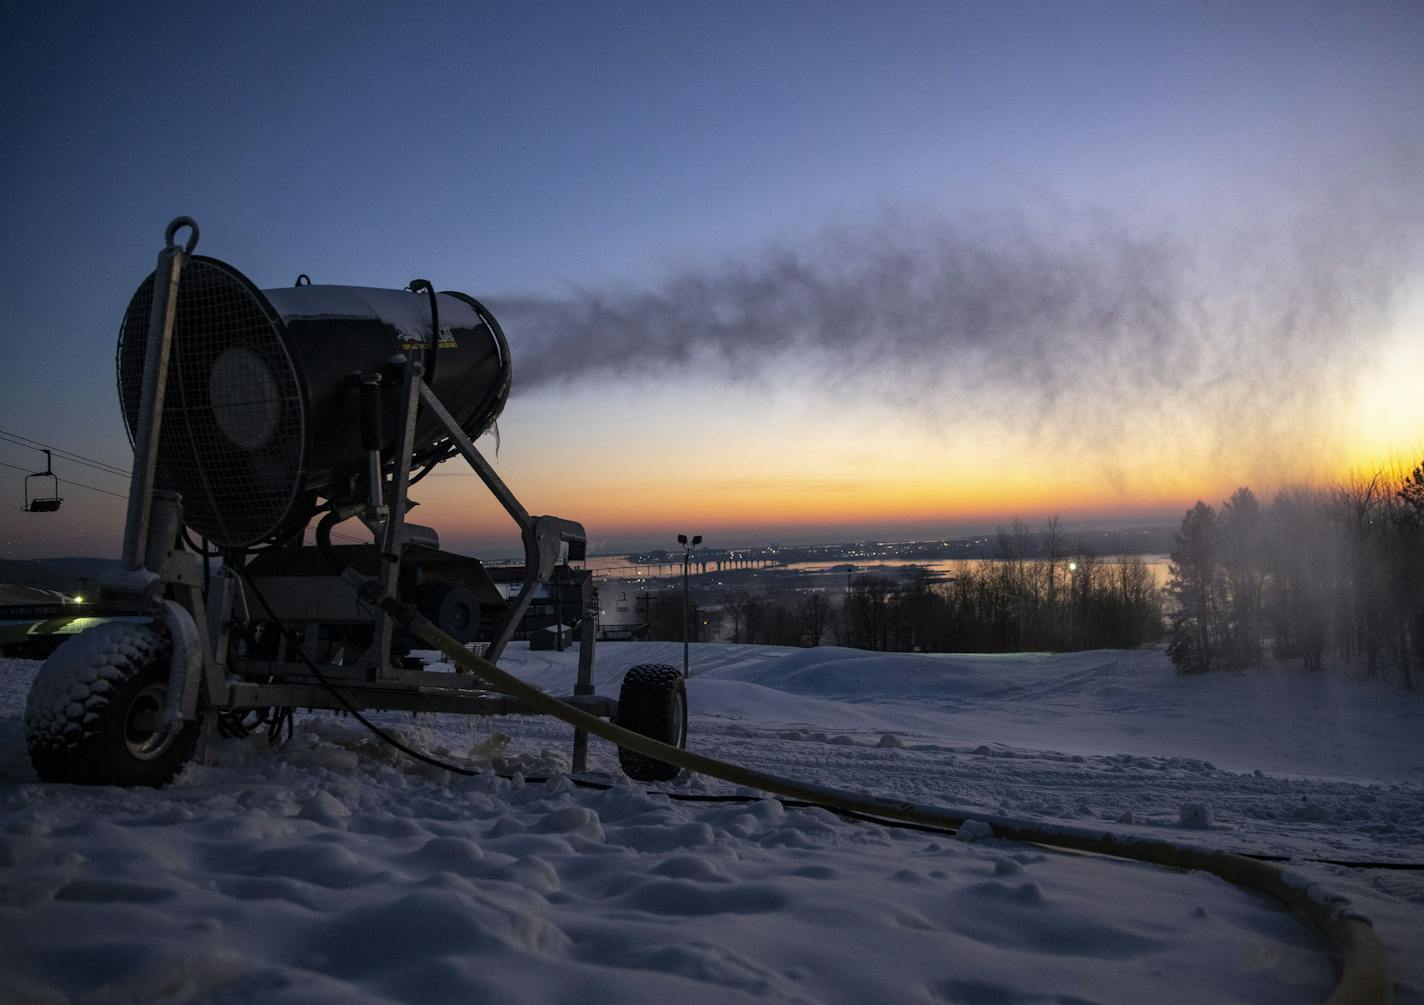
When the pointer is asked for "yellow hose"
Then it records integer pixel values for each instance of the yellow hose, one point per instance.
(1364, 966)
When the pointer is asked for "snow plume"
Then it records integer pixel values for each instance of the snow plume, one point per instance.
(1043, 317)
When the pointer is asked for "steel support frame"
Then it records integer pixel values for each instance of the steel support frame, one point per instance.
(371, 682)
(542, 536)
(157, 350)
(134, 585)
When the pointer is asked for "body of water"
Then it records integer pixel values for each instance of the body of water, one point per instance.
(615, 567)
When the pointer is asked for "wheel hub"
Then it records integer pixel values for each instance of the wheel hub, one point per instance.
(144, 738)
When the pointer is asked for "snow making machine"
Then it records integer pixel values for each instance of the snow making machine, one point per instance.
(254, 415)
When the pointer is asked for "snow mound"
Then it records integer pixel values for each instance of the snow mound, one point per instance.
(339, 871)
(1195, 816)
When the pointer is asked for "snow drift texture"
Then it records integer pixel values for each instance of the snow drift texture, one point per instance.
(338, 871)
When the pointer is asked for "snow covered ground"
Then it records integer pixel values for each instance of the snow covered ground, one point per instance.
(336, 870)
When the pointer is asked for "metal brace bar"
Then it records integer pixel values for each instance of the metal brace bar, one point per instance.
(147, 429)
(393, 542)
(505, 630)
(584, 686)
(542, 535)
(476, 460)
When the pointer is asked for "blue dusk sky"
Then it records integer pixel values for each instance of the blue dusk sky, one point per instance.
(769, 271)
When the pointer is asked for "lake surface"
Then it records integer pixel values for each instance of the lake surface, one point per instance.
(607, 567)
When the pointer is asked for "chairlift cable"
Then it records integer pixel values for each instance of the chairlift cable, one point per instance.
(25, 441)
(123, 495)
(68, 481)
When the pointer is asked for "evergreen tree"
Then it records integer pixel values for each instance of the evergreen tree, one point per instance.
(1241, 533)
(1193, 588)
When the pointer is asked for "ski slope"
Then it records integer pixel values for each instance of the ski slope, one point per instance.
(337, 870)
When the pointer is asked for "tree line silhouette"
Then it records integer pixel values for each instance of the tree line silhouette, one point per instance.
(1044, 591)
(1317, 573)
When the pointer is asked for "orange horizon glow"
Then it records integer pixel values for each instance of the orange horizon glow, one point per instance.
(755, 465)
(823, 498)
(788, 463)
(766, 509)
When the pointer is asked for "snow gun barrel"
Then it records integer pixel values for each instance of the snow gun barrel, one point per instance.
(269, 401)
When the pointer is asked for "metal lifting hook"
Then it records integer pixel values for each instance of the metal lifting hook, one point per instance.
(178, 223)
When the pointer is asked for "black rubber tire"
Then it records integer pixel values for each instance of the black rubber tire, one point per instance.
(653, 702)
(77, 724)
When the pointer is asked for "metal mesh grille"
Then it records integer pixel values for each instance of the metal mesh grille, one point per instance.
(233, 424)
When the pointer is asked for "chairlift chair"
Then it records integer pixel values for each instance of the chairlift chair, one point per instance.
(42, 504)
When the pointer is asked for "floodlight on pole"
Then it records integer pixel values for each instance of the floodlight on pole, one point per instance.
(686, 564)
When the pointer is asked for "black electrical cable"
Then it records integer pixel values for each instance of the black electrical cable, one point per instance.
(494, 399)
(236, 725)
(441, 456)
(274, 731)
(341, 698)
(583, 783)
(425, 286)
(580, 782)
(323, 541)
(201, 549)
(443, 452)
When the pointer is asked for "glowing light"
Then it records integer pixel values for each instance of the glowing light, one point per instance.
(1387, 417)
(777, 462)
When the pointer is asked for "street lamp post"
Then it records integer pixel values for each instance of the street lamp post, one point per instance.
(686, 563)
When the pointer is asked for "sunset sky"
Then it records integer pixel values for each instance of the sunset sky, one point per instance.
(783, 271)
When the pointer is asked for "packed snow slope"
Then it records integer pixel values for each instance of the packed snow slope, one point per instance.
(337, 870)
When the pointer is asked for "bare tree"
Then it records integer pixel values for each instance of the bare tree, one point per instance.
(735, 606)
(815, 617)
(1053, 548)
(868, 608)
(1409, 529)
